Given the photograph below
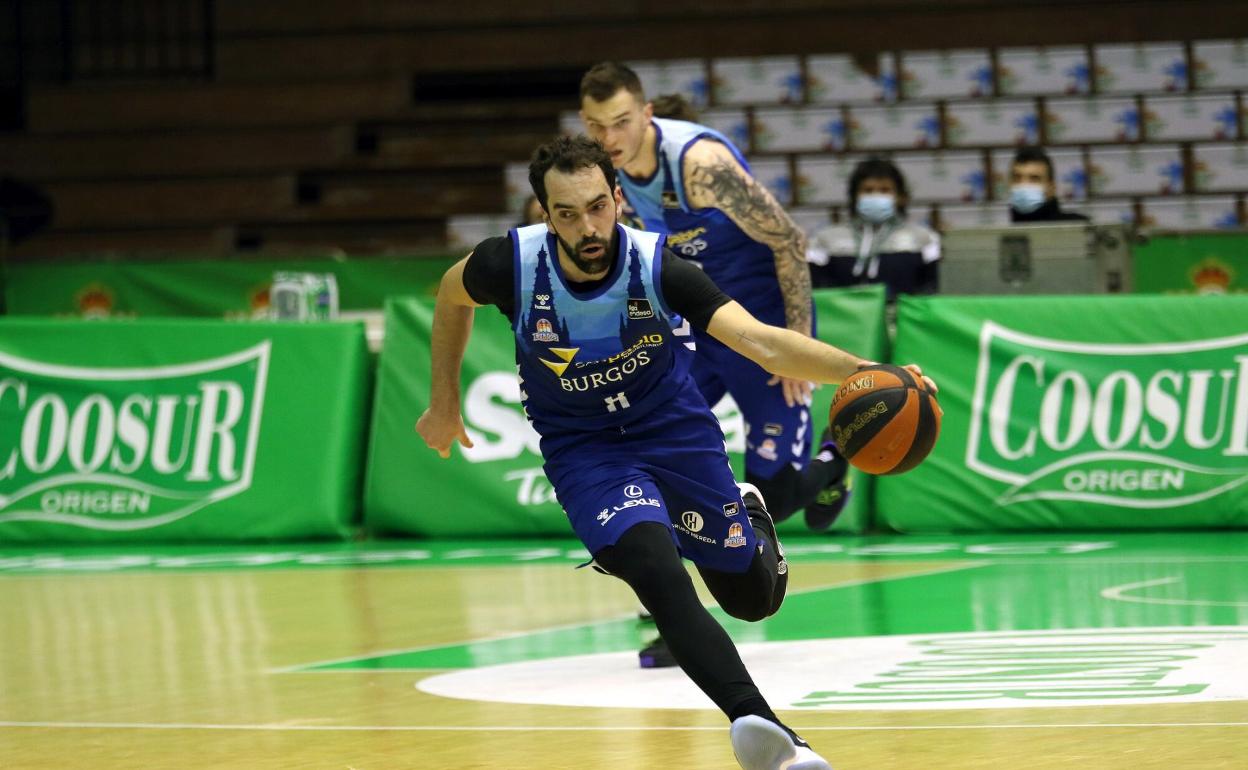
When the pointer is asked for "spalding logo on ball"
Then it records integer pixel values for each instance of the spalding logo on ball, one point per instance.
(884, 420)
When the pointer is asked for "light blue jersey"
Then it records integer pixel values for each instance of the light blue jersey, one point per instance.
(743, 268)
(597, 359)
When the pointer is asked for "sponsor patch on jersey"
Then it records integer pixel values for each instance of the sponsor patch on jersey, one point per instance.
(639, 309)
(732, 509)
(767, 450)
(670, 199)
(773, 429)
(689, 533)
(544, 331)
(692, 520)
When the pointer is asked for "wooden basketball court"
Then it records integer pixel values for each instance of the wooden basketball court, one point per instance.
(1062, 651)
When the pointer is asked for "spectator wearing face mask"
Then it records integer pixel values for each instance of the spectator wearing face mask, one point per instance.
(1033, 191)
(879, 245)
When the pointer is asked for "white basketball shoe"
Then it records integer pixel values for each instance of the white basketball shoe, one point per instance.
(760, 744)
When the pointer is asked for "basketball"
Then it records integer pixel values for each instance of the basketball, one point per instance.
(884, 420)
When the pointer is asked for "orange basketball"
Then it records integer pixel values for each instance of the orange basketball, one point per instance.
(884, 420)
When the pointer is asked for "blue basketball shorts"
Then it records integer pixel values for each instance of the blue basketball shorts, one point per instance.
(776, 434)
(670, 468)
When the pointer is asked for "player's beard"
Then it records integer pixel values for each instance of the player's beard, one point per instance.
(586, 264)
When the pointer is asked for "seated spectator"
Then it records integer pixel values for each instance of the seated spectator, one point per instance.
(879, 245)
(1033, 190)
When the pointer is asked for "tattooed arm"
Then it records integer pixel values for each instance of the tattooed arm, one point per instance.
(714, 179)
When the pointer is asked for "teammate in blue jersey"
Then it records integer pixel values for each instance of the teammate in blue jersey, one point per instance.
(601, 315)
(690, 182)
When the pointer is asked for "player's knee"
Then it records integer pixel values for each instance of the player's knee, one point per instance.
(748, 606)
(750, 601)
(778, 593)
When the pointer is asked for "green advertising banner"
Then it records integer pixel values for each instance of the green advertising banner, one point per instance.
(179, 430)
(497, 488)
(1078, 412)
(1192, 263)
(232, 288)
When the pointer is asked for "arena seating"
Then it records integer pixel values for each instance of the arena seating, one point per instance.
(1150, 134)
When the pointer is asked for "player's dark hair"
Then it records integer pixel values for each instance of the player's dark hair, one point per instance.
(878, 168)
(675, 107)
(604, 79)
(568, 154)
(1033, 155)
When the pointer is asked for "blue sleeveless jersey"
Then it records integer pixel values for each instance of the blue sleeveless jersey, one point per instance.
(743, 268)
(598, 359)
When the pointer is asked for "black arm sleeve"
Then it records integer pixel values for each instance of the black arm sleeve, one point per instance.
(689, 291)
(490, 275)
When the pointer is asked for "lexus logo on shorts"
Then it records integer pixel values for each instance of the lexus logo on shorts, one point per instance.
(632, 490)
(692, 521)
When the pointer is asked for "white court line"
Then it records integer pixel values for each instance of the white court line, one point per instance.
(1000, 560)
(594, 729)
(306, 668)
(1076, 560)
(1117, 593)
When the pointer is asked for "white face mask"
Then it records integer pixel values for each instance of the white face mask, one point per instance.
(876, 207)
(1026, 198)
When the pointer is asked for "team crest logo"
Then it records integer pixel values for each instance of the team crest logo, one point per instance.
(736, 536)
(95, 301)
(767, 449)
(544, 331)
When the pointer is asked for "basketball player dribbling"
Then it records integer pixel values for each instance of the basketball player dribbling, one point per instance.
(602, 316)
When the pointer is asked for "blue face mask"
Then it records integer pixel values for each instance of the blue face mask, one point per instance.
(1026, 198)
(876, 208)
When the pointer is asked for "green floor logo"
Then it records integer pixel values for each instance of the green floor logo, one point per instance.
(995, 669)
(127, 448)
(1132, 425)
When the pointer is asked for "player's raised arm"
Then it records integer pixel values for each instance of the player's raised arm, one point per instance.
(714, 179)
(442, 424)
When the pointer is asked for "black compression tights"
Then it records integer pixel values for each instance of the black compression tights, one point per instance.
(645, 558)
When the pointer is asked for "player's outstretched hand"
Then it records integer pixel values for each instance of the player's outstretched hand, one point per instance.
(917, 372)
(913, 369)
(440, 430)
(795, 391)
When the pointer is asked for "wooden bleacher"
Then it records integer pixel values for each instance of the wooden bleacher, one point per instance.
(336, 124)
(348, 165)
